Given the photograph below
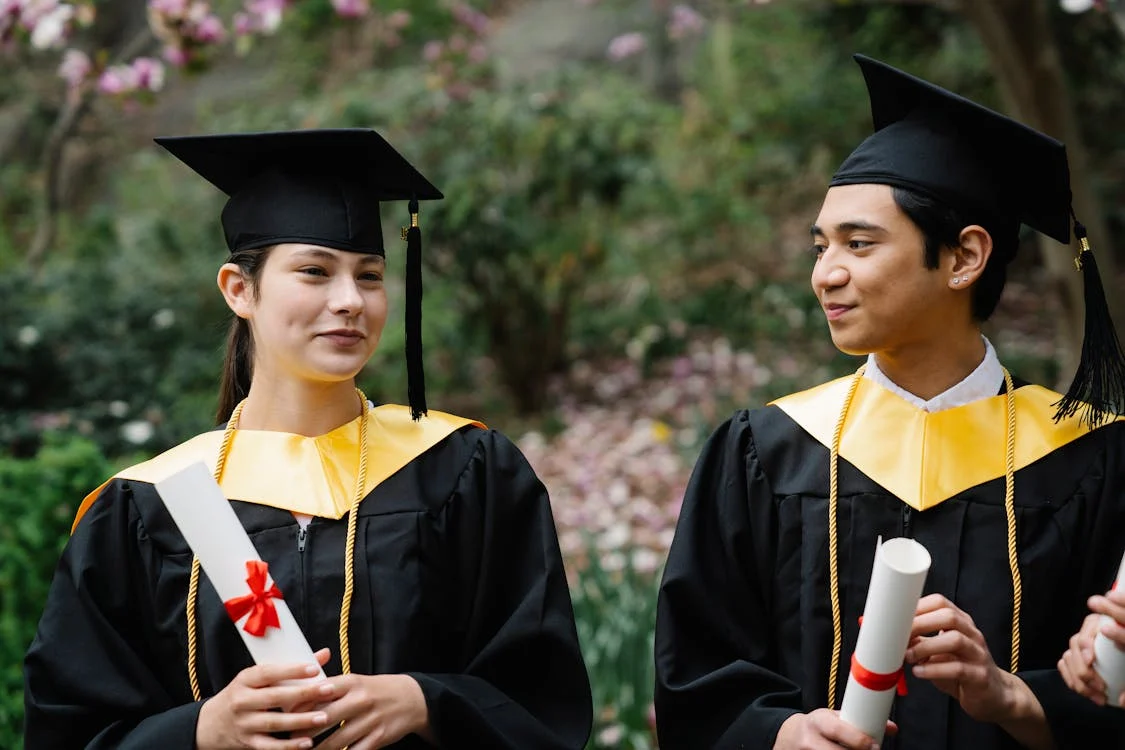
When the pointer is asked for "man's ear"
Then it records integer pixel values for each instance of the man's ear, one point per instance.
(971, 256)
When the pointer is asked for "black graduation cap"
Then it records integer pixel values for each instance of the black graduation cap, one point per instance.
(967, 156)
(321, 187)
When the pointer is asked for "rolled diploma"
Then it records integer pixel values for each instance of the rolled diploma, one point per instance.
(1109, 660)
(897, 579)
(214, 533)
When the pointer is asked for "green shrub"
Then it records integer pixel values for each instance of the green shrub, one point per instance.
(38, 498)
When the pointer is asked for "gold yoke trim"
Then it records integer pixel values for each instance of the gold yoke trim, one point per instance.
(310, 475)
(935, 456)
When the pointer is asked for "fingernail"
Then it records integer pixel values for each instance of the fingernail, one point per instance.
(874, 746)
(306, 743)
(326, 689)
(919, 671)
(321, 718)
(311, 669)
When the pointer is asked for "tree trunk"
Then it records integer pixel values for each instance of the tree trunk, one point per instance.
(1025, 59)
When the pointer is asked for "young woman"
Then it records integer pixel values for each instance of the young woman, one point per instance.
(416, 550)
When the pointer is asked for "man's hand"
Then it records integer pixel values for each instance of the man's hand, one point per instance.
(823, 729)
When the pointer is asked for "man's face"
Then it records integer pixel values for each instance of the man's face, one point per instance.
(870, 276)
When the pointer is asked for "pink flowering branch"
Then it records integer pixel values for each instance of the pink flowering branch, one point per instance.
(61, 132)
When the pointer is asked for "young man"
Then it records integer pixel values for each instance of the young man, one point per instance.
(932, 439)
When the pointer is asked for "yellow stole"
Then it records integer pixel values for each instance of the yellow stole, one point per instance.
(311, 475)
(922, 458)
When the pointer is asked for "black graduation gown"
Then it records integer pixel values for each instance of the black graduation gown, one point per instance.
(459, 583)
(744, 627)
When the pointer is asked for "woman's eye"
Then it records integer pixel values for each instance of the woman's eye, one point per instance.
(817, 250)
(371, 277)
(313, 271)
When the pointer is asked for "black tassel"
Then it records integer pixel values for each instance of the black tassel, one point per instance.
(415, 377)
(1098, 388)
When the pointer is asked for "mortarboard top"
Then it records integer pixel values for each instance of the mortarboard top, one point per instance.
(320, 187)
(956, 151)
(317, 186)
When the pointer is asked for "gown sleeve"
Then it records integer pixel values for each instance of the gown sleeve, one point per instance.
(715, 686)
(1077, 722)
(88, 676)
(524, 683)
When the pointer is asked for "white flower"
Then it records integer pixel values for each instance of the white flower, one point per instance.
(28, 336)
(137, 432)
(1076, 6)
(118, 409)
(611, 735)
(51, 29)
(163, 318)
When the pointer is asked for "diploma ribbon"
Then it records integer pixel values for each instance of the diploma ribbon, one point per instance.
(877, 681)
(263, 614)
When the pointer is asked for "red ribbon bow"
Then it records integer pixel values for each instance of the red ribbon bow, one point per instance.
(262, 612)
(878, 681)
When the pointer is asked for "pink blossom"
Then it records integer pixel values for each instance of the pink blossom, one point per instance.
(626, 45)
(350, 8)
(478, 53)
(685, 22)
(433, 50)
(170, 8)
(243, 24)
(176, 56)
(458, 44)
(268, 14)
(75, 67)
(210, 30)
(472, 18)
(148, 74)
(119, 79)
(33, 10)
(399, 20)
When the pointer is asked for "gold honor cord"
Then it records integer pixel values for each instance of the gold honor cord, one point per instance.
(1009, 509)
(349, 564)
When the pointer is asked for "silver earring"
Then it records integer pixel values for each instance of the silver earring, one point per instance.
(956, 280)
(965, 277)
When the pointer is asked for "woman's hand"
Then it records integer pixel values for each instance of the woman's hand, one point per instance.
(376, 711)
(244, 714)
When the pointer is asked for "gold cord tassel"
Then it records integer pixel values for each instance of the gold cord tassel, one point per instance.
(833, 572)
(349, 550)
(1009, 510)
(1010, 513)
(349, 564)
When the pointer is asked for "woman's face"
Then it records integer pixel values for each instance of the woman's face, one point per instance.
(318, 313)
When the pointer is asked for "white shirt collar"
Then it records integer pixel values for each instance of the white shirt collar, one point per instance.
(983, 382)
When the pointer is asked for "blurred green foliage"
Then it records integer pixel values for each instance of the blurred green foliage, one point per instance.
(38, 498)
(615, 611)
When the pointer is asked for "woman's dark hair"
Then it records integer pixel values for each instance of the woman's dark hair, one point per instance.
(238, 366)
(941, 227)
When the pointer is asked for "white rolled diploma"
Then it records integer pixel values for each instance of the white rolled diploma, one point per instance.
(214, 533)
(897, 579)
(1109, 660)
